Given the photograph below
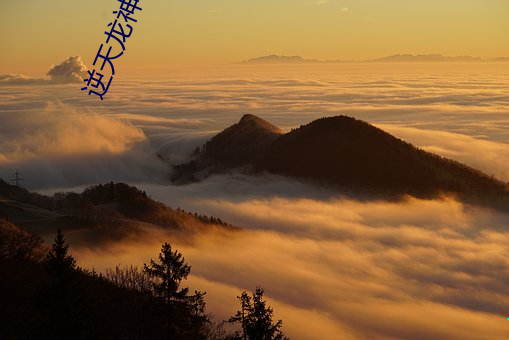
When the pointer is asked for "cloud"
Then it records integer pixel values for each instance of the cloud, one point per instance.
(178, 113)
(17, 78)
(62, 130)
(420, 269)
(488, 156)
(71, 70)
(63, 145)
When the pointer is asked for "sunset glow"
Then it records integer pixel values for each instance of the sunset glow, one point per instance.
(321, 169)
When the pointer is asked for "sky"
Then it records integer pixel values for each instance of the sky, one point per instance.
(169, 34)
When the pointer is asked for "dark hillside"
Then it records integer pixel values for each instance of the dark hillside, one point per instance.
(348, 154)
(116, 208)
(351, 153)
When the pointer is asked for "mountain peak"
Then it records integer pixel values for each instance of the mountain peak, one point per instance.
(238, 145)
(241, 142)
(249, 117)
(345, 153)
(254, 122)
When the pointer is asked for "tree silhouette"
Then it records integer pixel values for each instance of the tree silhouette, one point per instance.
(61, 299)
(47, 296)
(185, 318)
(255, 318)
(58, 259)
(168, 273)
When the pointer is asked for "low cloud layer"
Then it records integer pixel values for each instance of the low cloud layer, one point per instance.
(66, 146)
(179, 112)
(461, 114)
(339, 268)
(63, 130)
(488, 156)
(419, 269)
(14, 78)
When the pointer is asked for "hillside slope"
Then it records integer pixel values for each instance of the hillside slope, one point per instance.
(116, 208)
(358, 158)
(236, 146)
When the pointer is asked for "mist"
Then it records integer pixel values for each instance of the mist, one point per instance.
(425, 269)
(62, 146)
(457, 111)
(331, 265)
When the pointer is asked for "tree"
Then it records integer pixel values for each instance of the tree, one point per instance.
(185, 314)
(129, 277)
(255, 318)
(61, 299)
(58, 260)
(16, 243)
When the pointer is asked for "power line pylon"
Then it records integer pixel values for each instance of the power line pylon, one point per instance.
(17, 179)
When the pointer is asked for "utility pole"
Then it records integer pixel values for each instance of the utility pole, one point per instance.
(17, 178)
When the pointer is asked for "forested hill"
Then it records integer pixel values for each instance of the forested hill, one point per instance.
(352, 156)
(113, 207)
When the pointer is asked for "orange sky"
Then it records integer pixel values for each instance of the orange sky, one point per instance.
(36, 34)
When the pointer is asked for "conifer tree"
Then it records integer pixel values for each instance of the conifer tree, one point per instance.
(168, 274)
(185, 316)
(58, 260)
(61, 299)
(255, 318)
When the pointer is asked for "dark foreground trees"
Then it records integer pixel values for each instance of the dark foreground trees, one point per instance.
(256, 318)
(126, 303)
(45, 295)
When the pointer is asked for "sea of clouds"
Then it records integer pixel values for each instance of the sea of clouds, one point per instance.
(332, 267)
(458, 111)
(336, 268)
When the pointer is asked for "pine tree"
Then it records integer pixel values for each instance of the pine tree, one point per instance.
(169, 273)
(58, 260)
(61, 298)
(255, 318)
(241, 316)
(185, 316)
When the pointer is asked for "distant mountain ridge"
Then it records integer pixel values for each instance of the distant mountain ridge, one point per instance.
(396, 58)
(345, 153)
(277, 59)
(426, 58)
